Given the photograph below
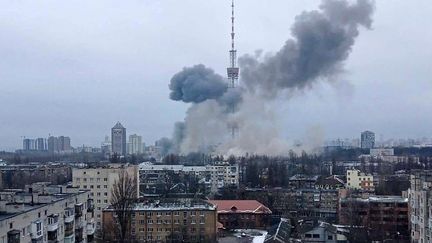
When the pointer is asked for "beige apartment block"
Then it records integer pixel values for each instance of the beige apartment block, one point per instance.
(46, 213)
(100, 181)
(170, 220)
(359, 181)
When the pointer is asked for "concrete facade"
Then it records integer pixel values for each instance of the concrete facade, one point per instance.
(46, 213)
(100, 182)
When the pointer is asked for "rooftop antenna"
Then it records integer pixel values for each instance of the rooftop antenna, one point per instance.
(233, 70)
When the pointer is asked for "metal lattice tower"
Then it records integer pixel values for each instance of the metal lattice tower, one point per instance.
(233, 70)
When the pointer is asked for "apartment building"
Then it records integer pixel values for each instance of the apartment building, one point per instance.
(216, 176)
(385, 216)
(420, 210)
(100, 181)
(46, 213)
(170, 220)
(359, 181)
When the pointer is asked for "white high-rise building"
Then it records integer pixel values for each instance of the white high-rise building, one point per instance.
(135, 145)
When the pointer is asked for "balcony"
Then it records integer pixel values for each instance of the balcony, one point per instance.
(52, 237)
(91, 227)
(53, 223)
(79, 224)
(79, 210)
(69, 215)
(69, 229)
(13, 236)
(79, 235)
(70, 238)
(90, 205)
(36, 233)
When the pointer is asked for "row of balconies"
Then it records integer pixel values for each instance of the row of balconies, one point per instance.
(36, 229)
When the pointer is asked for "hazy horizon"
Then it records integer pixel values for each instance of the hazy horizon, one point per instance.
(75, 69)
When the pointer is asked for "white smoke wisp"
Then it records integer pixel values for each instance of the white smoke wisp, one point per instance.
(259, 130)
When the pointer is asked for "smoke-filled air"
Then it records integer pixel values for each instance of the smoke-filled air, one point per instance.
(321, 41)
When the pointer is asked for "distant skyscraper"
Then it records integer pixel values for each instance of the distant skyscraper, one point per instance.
(118, 139)
(64, 144)
(28, 144)
(135, 144)
(53, 144)
(41, 144)
(367, 140)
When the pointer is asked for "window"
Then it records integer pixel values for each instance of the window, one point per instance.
(105, 193)
(10, 225)
(105, 186)
(98, 186)
(184, 214)
(105, 179)
(316, 236)
(192, 213)
(85, 179)
(330, 237)
(149, 221)
(308, 236)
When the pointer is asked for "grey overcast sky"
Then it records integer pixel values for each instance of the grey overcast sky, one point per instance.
(77, 67)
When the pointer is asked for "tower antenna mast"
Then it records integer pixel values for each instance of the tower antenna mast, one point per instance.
(233, 70)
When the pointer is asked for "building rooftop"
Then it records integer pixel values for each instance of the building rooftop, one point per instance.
(380, 199)
(240, 206)
(172, 205)
(118, 125)
(301, 177)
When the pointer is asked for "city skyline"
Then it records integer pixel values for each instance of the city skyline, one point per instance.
(52, 68)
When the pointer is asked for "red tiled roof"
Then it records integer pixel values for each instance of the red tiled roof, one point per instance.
(240, 206)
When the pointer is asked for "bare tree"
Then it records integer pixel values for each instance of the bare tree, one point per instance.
(123, 201)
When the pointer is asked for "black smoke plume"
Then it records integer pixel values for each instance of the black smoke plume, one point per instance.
(322, 40)
(197, 84)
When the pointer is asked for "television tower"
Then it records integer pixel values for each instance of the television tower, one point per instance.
(233, 70)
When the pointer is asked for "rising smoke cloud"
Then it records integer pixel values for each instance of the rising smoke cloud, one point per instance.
(197, 84)
(321, 41)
